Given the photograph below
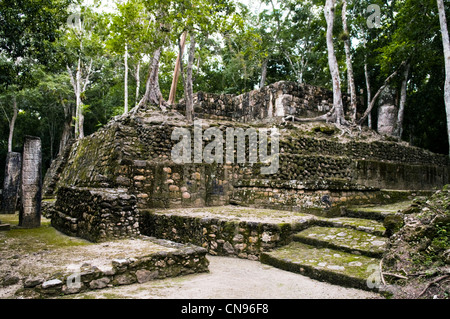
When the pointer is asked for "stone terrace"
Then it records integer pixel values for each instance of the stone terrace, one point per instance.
(43, 262)
(121, 182)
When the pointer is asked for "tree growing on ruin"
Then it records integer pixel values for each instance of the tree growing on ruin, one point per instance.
(197, 18)
(338, 108)
(446, 47)
(83, 44)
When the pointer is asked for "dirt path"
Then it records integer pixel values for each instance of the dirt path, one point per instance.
(235, 279)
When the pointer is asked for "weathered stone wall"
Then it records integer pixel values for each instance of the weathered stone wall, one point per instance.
(95, 214)
(244, 239)
(301, 196)
(394, 175)
(172, 185)
(134, 153)
(275, 100)
(374, 150)
(185, 260)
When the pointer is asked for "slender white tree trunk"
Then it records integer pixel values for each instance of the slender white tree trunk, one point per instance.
(188, 85)
(79, 132)
(401, 109)
(263, 73)
(348, 60)
(125, 89)
(79, 86)
(11, 125)
(138, 81)
(176, 71)
(446, 45)
(369, 94)
(332, 63)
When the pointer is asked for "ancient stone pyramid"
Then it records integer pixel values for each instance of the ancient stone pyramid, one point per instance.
(127, 164)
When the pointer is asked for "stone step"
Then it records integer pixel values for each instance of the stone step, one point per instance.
(326, 264)
(369, 226)
(375, 212)
(5, 226)
(343, 239)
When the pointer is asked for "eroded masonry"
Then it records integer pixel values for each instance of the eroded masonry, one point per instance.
(121, 182)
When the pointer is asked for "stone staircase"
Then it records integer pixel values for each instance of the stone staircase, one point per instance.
(345, 250)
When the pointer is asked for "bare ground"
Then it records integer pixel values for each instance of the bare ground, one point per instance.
(44, 250)
(233, 278)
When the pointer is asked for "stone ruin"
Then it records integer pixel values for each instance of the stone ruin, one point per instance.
(23, 180)
(271, 102)
(102, 181)
(122, 182)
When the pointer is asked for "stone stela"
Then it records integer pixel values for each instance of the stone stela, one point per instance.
(11, 183)
(30, 208)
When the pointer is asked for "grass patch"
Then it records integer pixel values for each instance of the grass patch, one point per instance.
(35, 239)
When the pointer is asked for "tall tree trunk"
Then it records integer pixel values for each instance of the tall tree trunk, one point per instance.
(51, 133)
(137, 76)
(446, 46)
(11, 125)
(67, 128)
(79, 87)
(152, 93)
(80, 115)
(298, 70)
(188, 85)
(263, 73)
(348, 60)
(372, 103)
(125, 89)
(401, 109)
(176, 71)
(11, 180)
(76, 84)
(65, 136)
(333, 65)
(369, 94)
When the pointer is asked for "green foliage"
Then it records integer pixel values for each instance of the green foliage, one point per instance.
(232, 44)
(27, 30)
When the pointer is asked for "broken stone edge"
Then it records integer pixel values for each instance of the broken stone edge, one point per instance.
(185, 259)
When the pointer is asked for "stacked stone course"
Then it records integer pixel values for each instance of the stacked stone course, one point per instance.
(275, 100)
(244, 239)
(133, 154)
(95, 214)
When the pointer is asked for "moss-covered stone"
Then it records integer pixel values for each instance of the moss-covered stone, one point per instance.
(345, 239)
(419, 250)
(393, 223)
(323, 264)
(376, 212)
(367, 225)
